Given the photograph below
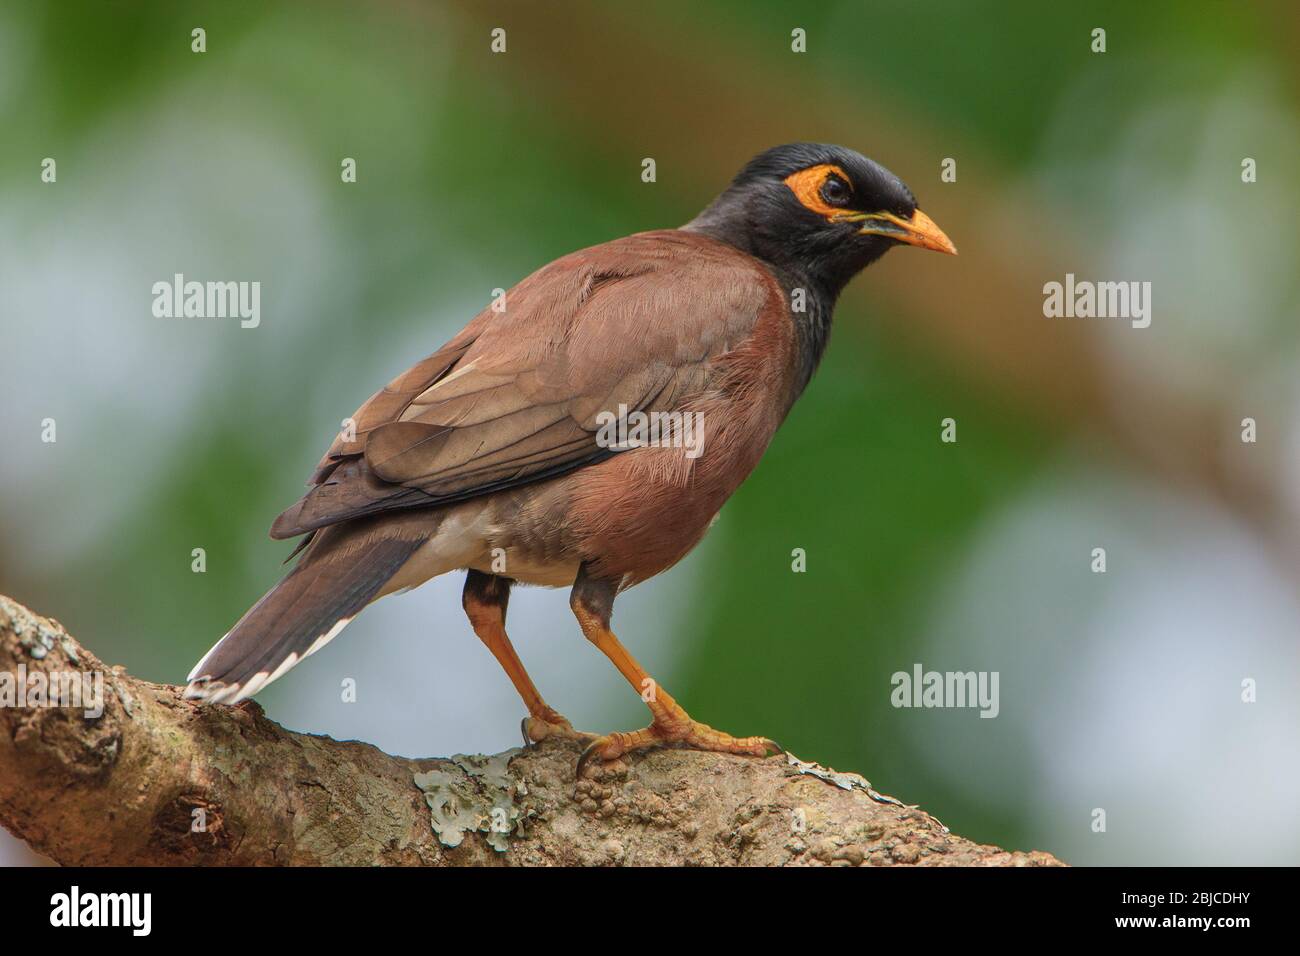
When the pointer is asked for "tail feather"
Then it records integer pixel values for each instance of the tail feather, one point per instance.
(339, 576)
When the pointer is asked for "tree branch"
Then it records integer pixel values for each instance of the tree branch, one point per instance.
(155, 779)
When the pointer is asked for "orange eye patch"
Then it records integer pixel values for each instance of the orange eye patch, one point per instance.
(807, 188)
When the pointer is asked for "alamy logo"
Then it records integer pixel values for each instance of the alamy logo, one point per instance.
(638, 429)
(1101, 300)
(79, 690)
(922, 688)
(208, 300)
(103, 909)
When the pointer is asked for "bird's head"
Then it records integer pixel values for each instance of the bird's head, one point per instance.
(819, 211)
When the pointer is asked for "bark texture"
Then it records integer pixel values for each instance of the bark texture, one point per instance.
(155, 779)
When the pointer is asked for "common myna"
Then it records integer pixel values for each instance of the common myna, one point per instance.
(495, 454)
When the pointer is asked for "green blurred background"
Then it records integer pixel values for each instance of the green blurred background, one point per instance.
(1119, 691)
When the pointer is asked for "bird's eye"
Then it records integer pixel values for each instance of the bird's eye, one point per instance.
(835, 191)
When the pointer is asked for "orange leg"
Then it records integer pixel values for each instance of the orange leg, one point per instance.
(485, 599)
(592, 603)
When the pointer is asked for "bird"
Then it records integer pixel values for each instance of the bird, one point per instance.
(494, 456)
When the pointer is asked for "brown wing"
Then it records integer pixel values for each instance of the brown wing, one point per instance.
(514, 397)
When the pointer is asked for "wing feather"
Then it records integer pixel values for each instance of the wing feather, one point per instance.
(515, 397)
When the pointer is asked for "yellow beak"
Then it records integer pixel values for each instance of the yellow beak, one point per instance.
(920, 230)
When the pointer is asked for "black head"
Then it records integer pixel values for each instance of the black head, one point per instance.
(821, 213)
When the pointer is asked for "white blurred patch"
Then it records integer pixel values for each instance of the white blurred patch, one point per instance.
(1124, 688)
(1153, 190)
(143, 199)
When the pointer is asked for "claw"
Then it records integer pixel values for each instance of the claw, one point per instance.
(587, 753)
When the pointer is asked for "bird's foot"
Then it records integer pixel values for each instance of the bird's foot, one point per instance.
(672, 725)
(549, 723)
